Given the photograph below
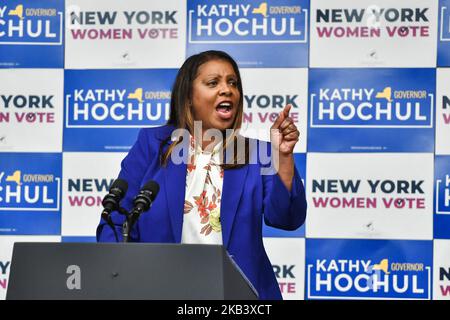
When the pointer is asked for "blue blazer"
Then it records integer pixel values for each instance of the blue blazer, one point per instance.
(247, 197)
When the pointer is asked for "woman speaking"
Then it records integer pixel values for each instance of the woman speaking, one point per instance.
(214, 186)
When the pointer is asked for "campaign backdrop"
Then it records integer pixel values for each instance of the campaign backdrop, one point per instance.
(368, 82)
(32, 34)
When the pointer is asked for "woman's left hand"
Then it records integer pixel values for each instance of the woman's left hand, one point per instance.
(283, 133)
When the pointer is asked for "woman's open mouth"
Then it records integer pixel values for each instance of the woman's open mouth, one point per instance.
(224, 110)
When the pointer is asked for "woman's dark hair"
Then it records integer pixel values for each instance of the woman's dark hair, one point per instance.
(181, 113)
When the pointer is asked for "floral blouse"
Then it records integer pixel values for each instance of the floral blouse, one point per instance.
(204, 180)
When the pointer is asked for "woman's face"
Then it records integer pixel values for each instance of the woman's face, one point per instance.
(215, 95)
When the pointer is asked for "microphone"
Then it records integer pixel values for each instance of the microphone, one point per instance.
(112, 199)
(141, 203)
(146, 196)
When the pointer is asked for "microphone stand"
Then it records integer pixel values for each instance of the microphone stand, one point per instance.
(110, 223)
(130, 220)
(107, 217)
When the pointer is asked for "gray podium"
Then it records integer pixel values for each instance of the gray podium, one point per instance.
(101, 271)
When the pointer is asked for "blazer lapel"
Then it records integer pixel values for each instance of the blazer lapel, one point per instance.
(233, 185)
(175, 185)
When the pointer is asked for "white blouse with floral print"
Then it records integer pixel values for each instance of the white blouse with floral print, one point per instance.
(204, 180)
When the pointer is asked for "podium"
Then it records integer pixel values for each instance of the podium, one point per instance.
(111, 271)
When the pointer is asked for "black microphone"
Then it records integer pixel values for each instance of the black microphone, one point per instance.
(112, 199)
(141, 203)
(146, 196)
